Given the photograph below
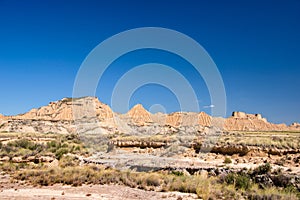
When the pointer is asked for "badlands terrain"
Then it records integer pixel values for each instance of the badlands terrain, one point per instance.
(81, 142)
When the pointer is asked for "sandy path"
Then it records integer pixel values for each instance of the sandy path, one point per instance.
(105, 192)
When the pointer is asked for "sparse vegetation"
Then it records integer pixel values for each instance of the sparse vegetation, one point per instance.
(53, 145)
(275, 139)
(234, 185)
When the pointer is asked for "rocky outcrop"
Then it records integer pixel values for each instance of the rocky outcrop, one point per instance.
(69, 109)
(91, 116)
(139, 115)
(240, 121)
(178, 119)
(294, 126)
(204, 119)
(140, 144)
(88, 113)
(174, 119)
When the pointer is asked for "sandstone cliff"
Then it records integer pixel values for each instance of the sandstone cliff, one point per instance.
(241, 121)
(60, 117)
(67, 109)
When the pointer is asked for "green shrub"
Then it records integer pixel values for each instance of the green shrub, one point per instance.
(60, 152)
(240, 181)
(262, 169)
(229, 179)
(177, 173)
(292, 190)
(227, 160)
(53, 144)
(22, 143)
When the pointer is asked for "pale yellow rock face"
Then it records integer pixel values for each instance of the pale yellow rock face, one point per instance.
(294, 126)
(139, 115)
(188, 119)
(174, 119)
(204, 119)
(241, 121)
(178, 119)
(68, 110)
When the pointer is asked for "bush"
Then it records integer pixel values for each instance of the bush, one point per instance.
(22, 143)
(68, 161)
(262, 169)
(203, 189)
(53, 144)
(177, 173)
(229, 179)
(152, 180)
(60, 152)
(240, 181)
(227, 160)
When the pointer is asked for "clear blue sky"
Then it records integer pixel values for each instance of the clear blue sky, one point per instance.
(255, 44)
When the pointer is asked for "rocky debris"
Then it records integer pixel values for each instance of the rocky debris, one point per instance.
(19, 159)
(48, 159)
(282, 179)
(4, 158)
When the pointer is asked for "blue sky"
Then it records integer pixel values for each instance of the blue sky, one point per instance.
(255, 44)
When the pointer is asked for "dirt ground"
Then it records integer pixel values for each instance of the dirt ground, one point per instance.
(104, 192)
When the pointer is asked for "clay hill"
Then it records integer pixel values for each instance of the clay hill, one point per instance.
(88, 114)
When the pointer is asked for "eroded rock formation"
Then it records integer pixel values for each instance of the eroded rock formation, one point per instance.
(91, 116)
(241, 121)
(139, 115)
(69, 109)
